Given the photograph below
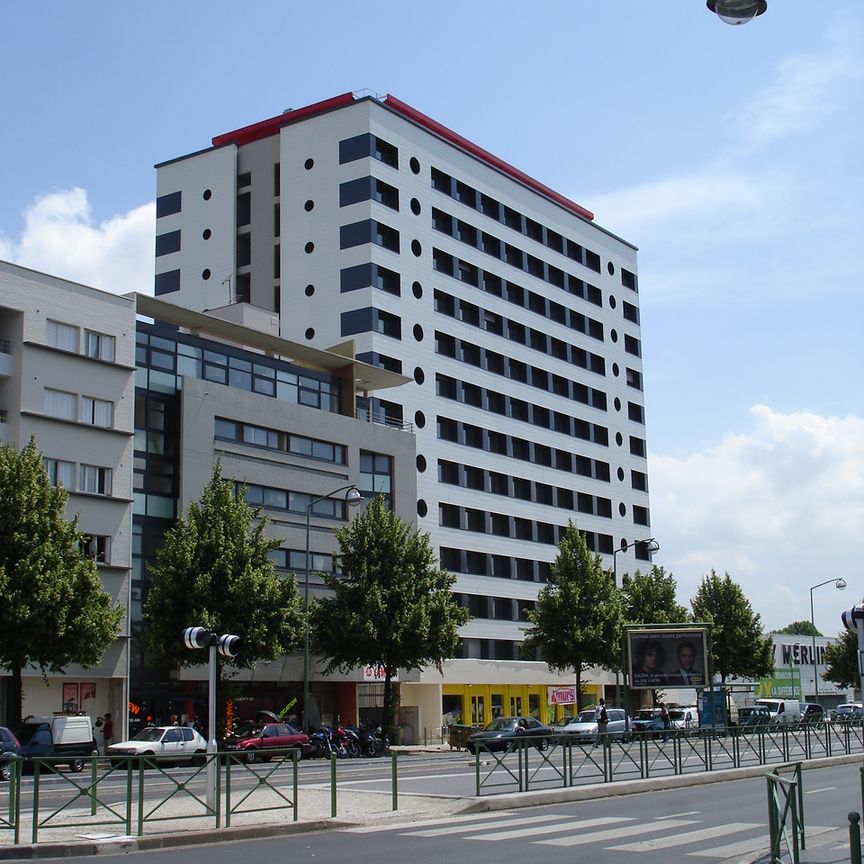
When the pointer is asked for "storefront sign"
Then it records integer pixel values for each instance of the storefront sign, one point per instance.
(561, 696)
(376, 673)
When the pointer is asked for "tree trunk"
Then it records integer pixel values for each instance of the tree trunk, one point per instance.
(14, 706)
(578, 688)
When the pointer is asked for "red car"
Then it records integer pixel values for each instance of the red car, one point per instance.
(255, 738)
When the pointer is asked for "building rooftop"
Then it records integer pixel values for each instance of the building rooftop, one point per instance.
(271, 126)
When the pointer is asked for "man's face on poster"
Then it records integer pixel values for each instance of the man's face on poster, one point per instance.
(686, 657)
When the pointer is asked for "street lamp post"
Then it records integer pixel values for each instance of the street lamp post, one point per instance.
(737, 11)
(352, 499)
(839, 584)
(651, 546)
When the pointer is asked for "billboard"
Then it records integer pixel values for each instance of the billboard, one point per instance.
(668, 657)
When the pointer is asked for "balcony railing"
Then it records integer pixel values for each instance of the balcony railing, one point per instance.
(382, 419)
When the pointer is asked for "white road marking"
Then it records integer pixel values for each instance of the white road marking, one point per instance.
(687, 837)
(678, 815)
(503, 823)
(826, 789)
(613, 834)
(755, 844)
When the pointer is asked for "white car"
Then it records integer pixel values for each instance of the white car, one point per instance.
(175, 743)
(686, 717)
(583, 727)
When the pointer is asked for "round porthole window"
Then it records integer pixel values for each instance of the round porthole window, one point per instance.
(308, 164)
(415, 165)
(309, 248)
(619, 438)
(622, 509)
(419, 419)
(417, 290)
(421, 463)
(206, 233)
(422, 509)
(416, 248)
(612, 301)
(621, 474)
(205, 274)
(610, 269)
(310, 332)
(207, 195)
(615, 370)
(613, 335)
(617, 404)
(418, 333)
(415, 207)
(419, 375)
(309, 205)
(310, 290)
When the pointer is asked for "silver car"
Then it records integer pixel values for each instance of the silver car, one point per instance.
(583, 727)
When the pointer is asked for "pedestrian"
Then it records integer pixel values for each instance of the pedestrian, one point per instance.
(107, 731)
(601, 717)
(665, 722)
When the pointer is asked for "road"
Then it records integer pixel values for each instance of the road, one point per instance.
(711, 824)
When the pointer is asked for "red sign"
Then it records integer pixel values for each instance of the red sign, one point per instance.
(562, 695)
(376, 673)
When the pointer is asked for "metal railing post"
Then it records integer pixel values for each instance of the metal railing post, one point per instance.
(333, 785)
(854, 838)
(395, 780)
(94, 780)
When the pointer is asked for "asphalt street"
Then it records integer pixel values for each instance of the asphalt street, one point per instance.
(725, 822)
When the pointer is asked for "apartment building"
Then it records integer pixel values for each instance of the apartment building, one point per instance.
(512, 312)
(67, 367)
(281, 419)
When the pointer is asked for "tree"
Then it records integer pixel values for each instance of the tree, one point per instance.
(577, 620)
(649, 598)
(214, 571)
(738, 646)
(54, 610)
(841, 660)
(800, 628)
(391, 607)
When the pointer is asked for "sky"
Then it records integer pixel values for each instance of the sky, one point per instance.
(731, 156)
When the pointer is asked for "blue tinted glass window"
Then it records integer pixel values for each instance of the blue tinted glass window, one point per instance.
(167, 243)
(166, 283)
(166, 205)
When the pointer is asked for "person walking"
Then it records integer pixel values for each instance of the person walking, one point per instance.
(601, 718)
(107, 731)
(665, 722)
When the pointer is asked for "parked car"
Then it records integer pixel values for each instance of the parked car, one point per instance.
(648, 720)
(754, 716)
(812, 713)
(9, 747)
(583, 727)
(256, 740)
(849, 712)
(782, 710)
(175, 743)
(503, 733)
(61, 736)
(684, 717)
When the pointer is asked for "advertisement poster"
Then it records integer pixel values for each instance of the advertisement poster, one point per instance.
(668, 658)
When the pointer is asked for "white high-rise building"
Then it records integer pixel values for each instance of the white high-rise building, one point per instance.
(517, 316)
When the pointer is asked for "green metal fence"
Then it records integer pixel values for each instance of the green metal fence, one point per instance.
(786, 815)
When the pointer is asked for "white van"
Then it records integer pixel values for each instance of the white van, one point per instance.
(684, 717)
(782, 710)
(58, 736)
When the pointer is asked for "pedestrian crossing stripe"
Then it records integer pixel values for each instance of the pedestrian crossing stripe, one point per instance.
(613, 834)
(687, 837)
(565, 821)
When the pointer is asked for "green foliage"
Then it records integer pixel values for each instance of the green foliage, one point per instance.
(738, 646)
(54, 610)
(214, 572)
(577, 620)
(391, 607)
(841, 660)
(649, 598)
(800, 628)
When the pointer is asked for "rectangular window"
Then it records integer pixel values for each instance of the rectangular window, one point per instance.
(167, 205)
(166, 283)
(354, 191)
(167, 243)
(97, 547)
(62, 336)
(60, 473)
(94, 479)
(376, 475)
(59, 404)
(365, 145)
(99, 346)
(97, 412)
(632, 346)
(637, 446)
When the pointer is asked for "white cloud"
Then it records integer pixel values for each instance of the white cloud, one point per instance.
(779, 507)
(61, 238)
(806, 89)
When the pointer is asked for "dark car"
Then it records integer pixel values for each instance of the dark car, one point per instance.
(812, 713)
(9, 747)
(754, 716)
(648, 720)
(504, 733)
(254, 739)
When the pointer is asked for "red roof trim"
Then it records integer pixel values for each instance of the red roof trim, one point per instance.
(485, 156)
(266, 128)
